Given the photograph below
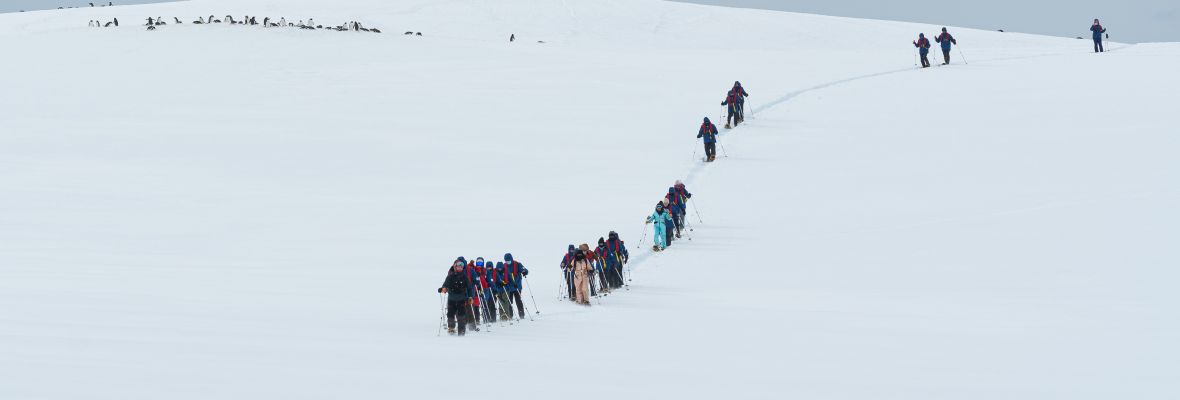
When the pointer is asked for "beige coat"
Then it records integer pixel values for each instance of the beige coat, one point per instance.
(582, 271)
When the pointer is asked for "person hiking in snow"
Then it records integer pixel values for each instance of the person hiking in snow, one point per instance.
(1098, 30)
(676, 207)
(567, 262)
(742, 95)
(582, 270)
(500, 290)
(659, 220)
(733, 100)
(670, 228)
(923, 46)
(491, 286)
(685, 196)
(514, 273)
(590, 257)
(600, 255)
(483, 290)
(616, 257)
(472, 272)
(456, 287)
(708, 132)
(946, 40)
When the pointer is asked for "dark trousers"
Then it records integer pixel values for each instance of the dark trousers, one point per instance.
(732, 119)
(1098, 46)
(925, 60)
(473, 313)
(711, 150)
(457, 315)
(519, 303)
(946, 56)
(505, 305)
(741, 111)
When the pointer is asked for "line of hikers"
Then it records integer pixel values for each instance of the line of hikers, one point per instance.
(590, 273)
(735, 102)
(944, 39)
(478, 289)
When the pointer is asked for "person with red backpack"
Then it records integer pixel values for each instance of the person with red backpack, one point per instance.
(514, 273)
(708, 132)
(733, 99)
(742, 95)
(681, 194)
(923, 46)
(615, 255)
(473, 272)
(567, 262)
(1097, 31)
(946, 40)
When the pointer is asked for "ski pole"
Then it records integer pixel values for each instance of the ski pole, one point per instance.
(696, 210)
(526, 283)
(520, 302)
(961, 54)
(442, 318)
(723, 149)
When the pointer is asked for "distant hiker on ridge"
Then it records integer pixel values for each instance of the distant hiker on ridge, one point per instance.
(923, 46)
(1098, 31)
(945, 39)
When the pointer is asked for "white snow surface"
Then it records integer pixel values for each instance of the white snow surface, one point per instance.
(229, 212)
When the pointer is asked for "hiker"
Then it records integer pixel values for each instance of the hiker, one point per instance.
(616, 256)
(742, 95)
(1098, 31)
(566, 264)
(581, 270)
(600, 266)
(659, 221)
(456, 287)
(472, 273)
(923, 46)
(708, 132)
(515, 273)
(685, 195)
(946, 40)
(500, 290)
(491, 287)
(733, 100)
(676, 206)
(670, 228)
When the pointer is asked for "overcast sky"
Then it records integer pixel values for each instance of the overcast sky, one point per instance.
(1125, 20)
(27, 5)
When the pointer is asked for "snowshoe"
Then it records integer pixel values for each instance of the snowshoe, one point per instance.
(655, 248)
(451, 331)
(728, 127)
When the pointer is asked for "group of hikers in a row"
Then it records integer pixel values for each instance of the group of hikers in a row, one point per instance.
(590, 273)
(480, 289)
(945, 40)
(735, 102)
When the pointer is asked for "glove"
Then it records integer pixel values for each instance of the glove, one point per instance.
(442, 290)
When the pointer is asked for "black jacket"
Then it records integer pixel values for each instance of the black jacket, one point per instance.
(456, 285)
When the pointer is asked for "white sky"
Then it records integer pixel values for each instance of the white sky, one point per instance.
(1125, 20)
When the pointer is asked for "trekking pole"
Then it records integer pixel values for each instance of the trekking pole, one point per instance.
(694, 150)
(961, 54)
(723, 149)
(641, 238)
(520, 301)
(526, 283)
(696, 210)
(442, 318)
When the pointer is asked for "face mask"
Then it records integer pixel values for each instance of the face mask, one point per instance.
(479, 263)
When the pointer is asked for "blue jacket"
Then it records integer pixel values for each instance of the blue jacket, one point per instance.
(616, 252)
(1098, 31)
(922, 44)
(945, 39)
(708, 131)
(660, 220)
(492, 277)
(514, 273)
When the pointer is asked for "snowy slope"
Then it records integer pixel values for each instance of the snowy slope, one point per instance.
(232, 212)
